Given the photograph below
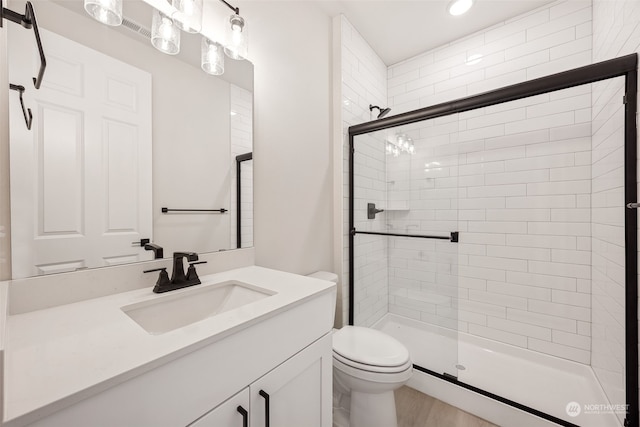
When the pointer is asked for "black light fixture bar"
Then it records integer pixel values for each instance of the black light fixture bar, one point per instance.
(28, 21)
(236, 10)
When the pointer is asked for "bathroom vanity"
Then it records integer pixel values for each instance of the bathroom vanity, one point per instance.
(261, 357)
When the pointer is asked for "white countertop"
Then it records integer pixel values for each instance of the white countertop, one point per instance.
(58, 356)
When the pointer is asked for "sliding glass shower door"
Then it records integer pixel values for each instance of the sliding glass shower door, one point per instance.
(405, 228)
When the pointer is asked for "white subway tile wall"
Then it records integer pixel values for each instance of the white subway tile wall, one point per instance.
(548, 40)
(241, 110)
(364, 82)
(514, 179)
(516, 196)
(616, 32)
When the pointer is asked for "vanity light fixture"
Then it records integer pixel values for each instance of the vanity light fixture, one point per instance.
(211, 57)
(108, 12)
(165, 35)
(188, 15)
(458, 7)
(235, 37)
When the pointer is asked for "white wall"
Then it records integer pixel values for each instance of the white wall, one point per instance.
(291, 48)
(616, 32)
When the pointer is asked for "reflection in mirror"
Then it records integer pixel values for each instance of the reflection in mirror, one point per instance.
(121, 130)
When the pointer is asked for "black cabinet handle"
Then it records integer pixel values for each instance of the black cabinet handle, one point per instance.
(266, 406)
(245, 416)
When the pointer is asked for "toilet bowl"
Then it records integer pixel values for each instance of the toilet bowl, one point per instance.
(368, 365)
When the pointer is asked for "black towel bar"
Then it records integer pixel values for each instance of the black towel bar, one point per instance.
(166, 210)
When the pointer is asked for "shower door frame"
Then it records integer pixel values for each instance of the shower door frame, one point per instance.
(625, 66)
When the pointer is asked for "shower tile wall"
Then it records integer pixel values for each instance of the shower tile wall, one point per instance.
(616, 32)
(364, 82)
(518, 178)
(241, 132)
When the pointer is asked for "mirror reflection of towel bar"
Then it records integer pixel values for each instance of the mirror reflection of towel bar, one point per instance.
(167, 210)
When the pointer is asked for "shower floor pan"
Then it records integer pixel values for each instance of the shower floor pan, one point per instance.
(542, 382)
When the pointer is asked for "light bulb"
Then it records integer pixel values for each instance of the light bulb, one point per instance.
(235, 45)
(165, 35)
(212, 57)
(188, 15)
(108, 12)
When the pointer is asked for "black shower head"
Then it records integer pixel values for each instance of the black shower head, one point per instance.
(383, 111)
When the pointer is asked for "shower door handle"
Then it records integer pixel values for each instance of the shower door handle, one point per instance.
(633, 205)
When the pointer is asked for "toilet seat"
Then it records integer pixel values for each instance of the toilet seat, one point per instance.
(371, 368)
(370, 350)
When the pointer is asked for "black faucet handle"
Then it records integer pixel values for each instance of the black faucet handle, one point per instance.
(192, 275)
(163, 277)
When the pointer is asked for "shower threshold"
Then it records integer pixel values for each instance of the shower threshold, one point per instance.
(535, 382)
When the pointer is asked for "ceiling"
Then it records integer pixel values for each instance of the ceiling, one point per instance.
(400, 29)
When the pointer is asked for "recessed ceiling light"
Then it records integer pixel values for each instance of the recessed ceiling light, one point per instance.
(458, 7)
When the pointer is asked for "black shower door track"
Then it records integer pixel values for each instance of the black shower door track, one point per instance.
(625, 66)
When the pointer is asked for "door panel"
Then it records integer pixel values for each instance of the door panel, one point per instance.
(82, 193)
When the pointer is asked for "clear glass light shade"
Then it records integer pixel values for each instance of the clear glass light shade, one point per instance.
(106, 11)
(188, 15)
(236, 34)
(165, 35)
(212, 57)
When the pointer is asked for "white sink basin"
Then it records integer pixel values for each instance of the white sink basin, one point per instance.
(191, 305)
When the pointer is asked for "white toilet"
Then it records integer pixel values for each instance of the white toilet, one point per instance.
(368, 365)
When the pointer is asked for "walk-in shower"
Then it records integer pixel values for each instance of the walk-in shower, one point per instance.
(503, 249)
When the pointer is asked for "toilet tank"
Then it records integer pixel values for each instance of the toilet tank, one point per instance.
(324, 275)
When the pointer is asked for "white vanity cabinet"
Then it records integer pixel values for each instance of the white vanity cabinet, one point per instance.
(296, 393)
(115, 373)
(232, 413)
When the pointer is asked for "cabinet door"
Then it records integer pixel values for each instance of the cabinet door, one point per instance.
(296, 393)
(234, 412)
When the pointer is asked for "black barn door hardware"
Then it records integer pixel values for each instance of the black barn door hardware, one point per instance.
(28, 21)
(167, 210)
(26, 112)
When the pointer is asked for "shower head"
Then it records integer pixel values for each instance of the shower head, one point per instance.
(382, 111)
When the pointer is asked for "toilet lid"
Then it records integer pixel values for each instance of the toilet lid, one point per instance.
(369, 346)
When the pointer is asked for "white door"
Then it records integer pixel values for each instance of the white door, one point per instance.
(81, 177)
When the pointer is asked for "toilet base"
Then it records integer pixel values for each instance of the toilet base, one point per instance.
(373, 410)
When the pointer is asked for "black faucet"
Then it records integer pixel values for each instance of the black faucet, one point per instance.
(158, 252)
(178, 278)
